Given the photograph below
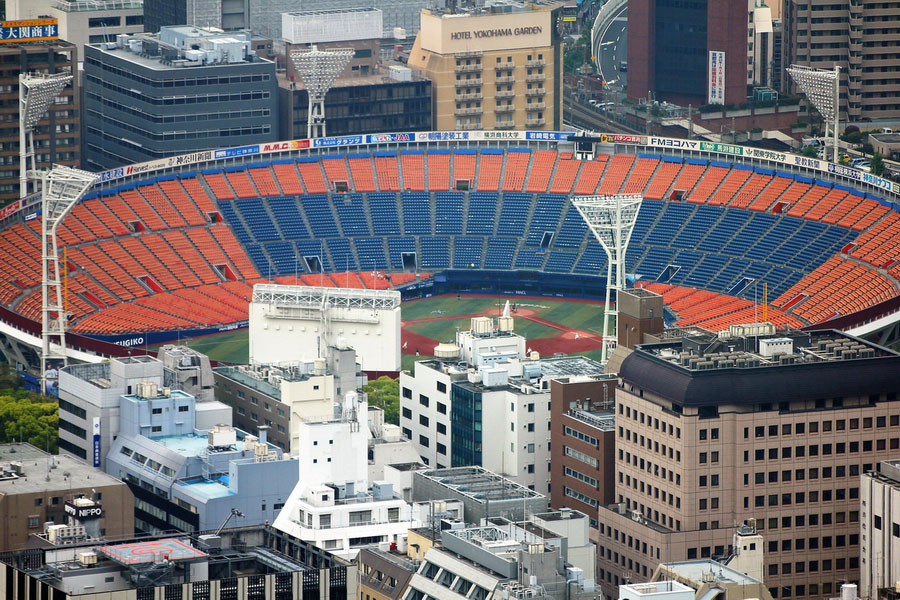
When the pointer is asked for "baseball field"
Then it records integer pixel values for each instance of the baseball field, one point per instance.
(551, 326)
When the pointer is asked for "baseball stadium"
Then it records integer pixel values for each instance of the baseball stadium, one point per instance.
(171, 249)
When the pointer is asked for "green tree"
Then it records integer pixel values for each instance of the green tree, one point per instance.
(28, 417)
(877, 164)
(810, 151)
(384, 393)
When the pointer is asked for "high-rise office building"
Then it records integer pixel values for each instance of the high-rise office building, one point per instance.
(186, 89)
(861, 38)
(493, 68)
(774, 431)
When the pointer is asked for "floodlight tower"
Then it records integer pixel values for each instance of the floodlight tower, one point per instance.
(36, 93)
(319, 69)
(822, 88)
(611, 219)
(62, 188)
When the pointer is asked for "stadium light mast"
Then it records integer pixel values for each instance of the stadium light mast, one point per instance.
(62, 188)
(822, 88)
(36, 92)
(611, 219)
(319, 69)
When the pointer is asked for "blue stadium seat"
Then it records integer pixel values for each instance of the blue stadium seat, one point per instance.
(351, 213)
(573, 230)
(288, 217)
(321, 219)
(448, 213)
(231, 217)
(560, 261)
(468, 252)
(547, 212)
(397, 246)
(530, 259)
(383, 210)
(482, 213)
(257, 219)
(371, 253)
(314, 248)
(341, 255)
(435, 252)
(416, 213)
(514, 213)
(500, 252)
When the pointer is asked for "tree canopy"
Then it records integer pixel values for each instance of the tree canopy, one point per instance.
(29, 417)
(26, 416)
(384, 393)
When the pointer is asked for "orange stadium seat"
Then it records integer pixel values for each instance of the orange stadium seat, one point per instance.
(335, 171)
(219, 186)
(438, 172)
(616, 172)
(313, 177)
(707, 185)
(464, 169)
(640, 175)
(541, 171)
(489, 171)
(590, 176)
(264, 181)
(413, 166)
(388, 173)
(566, 173)
(362, 173)
(516, 171)
(288, 178)
(241, 184)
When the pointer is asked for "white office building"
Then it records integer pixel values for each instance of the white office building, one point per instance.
(334, 505)
(500, 398)
(879, 494)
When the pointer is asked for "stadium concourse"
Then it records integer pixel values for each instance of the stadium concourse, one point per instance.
(181, 251)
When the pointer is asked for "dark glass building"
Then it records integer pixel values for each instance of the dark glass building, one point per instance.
(150, 97)
(362, 106)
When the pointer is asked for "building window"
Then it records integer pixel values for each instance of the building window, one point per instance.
(423, 441)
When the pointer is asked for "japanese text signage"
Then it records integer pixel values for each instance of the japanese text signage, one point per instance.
(716, 76)
(29, 31)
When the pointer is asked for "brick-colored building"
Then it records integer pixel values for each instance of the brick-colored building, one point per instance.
(35, 487)
(583, 438)
(669, 45)
(57, 136)
(712, 432)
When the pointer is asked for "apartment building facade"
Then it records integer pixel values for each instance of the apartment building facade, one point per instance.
(713, 432)
(57, 136)
(497, 68)
(861, 38)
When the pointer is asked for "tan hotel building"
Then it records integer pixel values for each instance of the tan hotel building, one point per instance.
(496, 68)
(713, 432)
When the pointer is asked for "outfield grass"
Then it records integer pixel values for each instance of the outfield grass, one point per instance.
(448, 306)
(233, 346)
